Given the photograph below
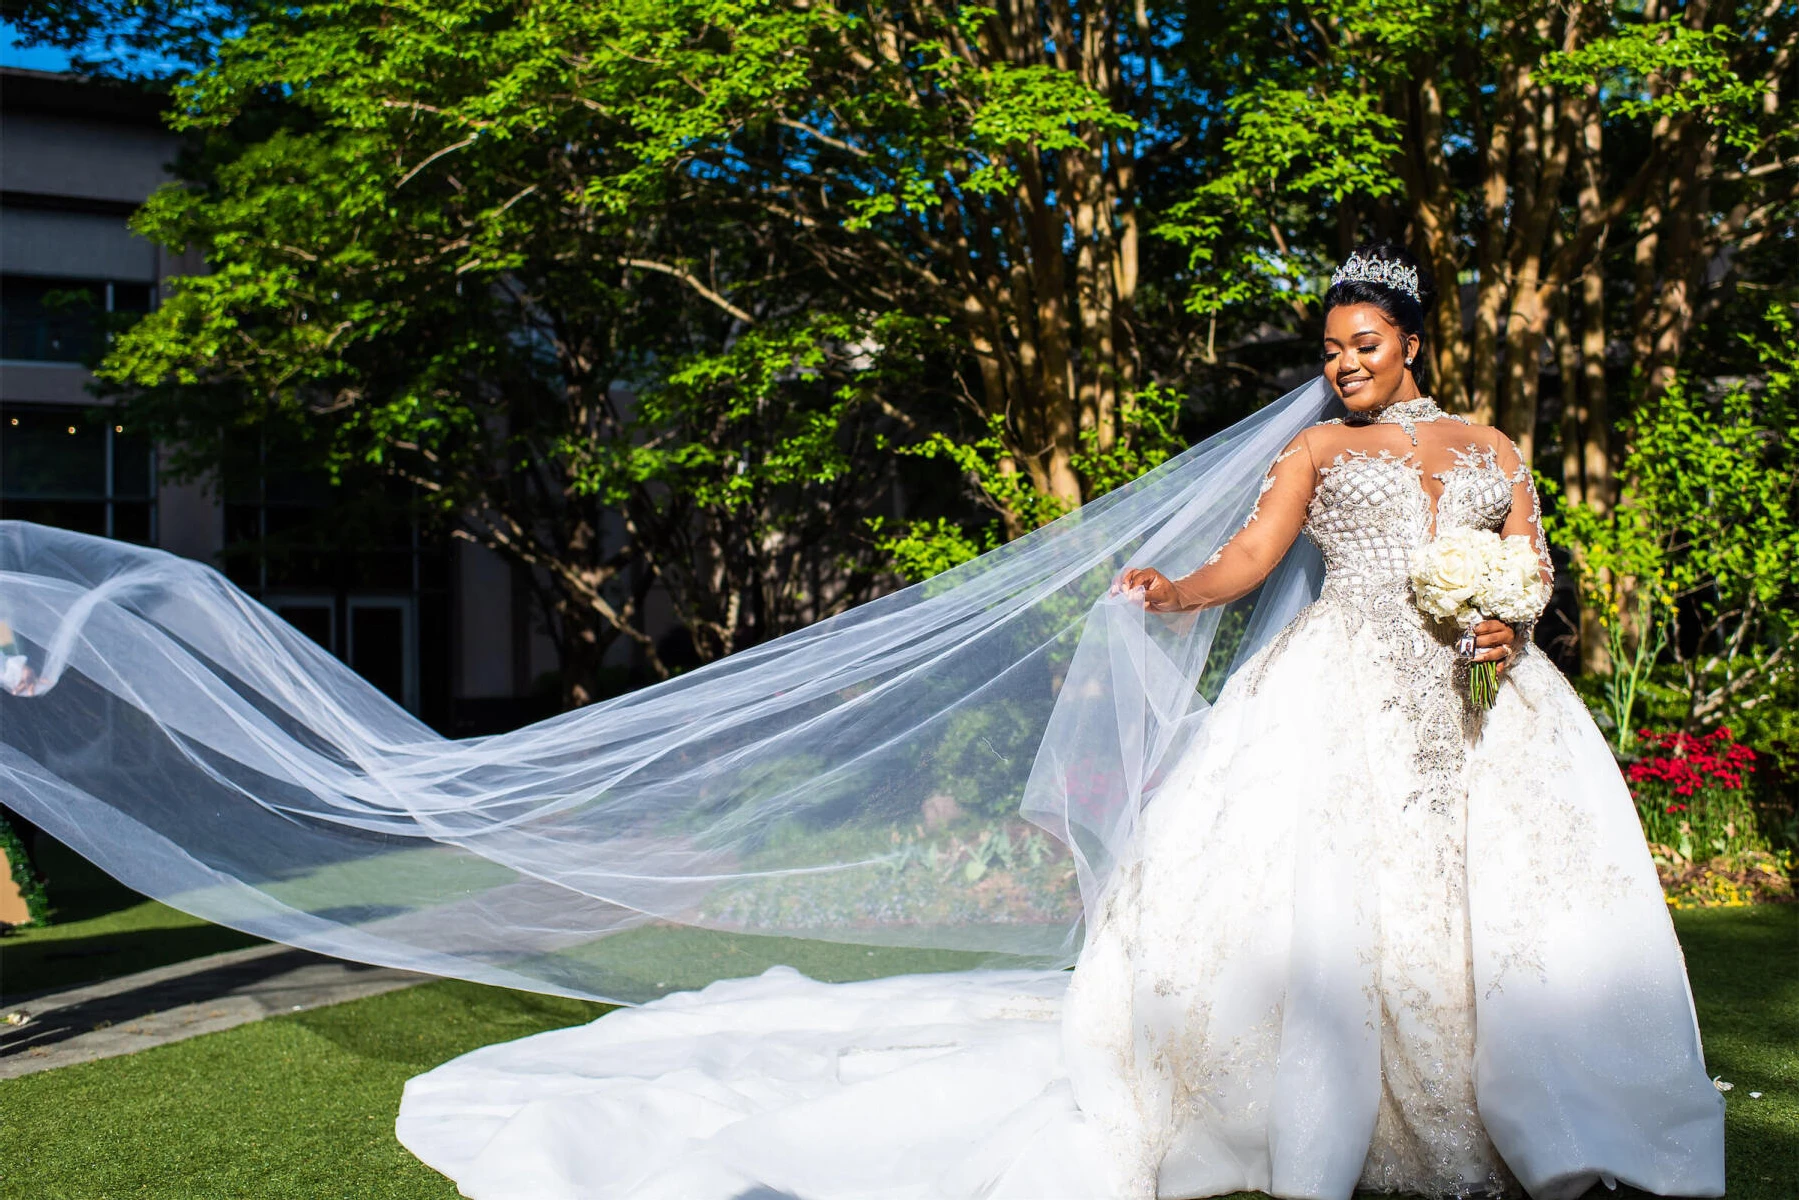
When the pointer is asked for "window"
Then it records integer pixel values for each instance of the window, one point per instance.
(77, 470)
(377, 638)
(346, 564)
(63, 320)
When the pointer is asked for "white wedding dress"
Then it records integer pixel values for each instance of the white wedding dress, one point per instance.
(1363, 940)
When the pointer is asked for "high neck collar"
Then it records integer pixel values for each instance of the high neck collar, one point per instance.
(1421, 408)
(1406, 414)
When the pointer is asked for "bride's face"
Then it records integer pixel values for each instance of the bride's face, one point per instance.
(1364, 357)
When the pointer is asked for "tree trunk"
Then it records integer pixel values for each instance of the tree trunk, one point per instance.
(1434, 206)
(1047, 303)
(1493, 288)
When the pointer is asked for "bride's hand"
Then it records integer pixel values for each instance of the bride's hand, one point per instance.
(16, 675)
(1494, 642)
(1158, 590)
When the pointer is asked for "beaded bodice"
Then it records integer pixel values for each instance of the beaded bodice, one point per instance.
(1370, 511)
(1367, 502)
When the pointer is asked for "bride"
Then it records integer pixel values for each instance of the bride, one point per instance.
(1343, 930)
(1359, 938)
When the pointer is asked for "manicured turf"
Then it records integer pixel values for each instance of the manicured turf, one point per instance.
(303, 1106)
(298, 1106)
(1744, 967)
(102, 930)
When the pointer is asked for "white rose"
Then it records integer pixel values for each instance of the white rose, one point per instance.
(1514, 589)
(1526, 605)
(1518, 556)
(1449, 570)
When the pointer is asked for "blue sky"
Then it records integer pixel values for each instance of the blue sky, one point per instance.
(38, 60)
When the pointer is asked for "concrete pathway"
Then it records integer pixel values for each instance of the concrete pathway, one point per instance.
(168, 1004)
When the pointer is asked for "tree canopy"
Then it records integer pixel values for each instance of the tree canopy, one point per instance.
(769, 303)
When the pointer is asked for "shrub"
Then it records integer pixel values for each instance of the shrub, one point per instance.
(1712, 843)
(1692, 793)
(24, 874)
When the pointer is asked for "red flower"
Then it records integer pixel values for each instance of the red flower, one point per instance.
(1687, 764)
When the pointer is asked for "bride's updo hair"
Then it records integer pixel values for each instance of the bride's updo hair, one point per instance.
(1406, 313)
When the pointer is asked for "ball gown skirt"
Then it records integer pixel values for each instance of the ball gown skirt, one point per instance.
(1360, 943)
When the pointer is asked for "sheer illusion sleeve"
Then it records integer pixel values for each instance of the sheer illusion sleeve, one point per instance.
(1279, 513)
(1525, 519)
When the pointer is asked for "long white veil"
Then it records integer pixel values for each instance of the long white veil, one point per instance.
(952, 767)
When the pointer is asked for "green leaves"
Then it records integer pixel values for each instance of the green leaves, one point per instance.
(479, 246)
(1663, 68)
(924, 548)
(1324, 142)
(920, 550)
(1289, 146)
(694, 292)
(725, 427)
(1706, 537)
(1039, 106)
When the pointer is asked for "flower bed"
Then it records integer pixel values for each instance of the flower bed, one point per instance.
(1695, 798)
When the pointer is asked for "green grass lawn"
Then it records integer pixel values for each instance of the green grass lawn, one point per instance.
(102, 930)
(1744, 967)
(303, 1105)
(297, 1106)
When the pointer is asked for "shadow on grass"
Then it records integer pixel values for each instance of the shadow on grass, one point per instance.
(100, 929)
(30, 968)
(487, 1014)
(1744, 966)
(196, 987)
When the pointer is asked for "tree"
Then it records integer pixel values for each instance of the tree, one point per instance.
(451, 234)
(1584, 180)
(1705, 542)
(464, 311)
(968, 164)
(931, 220)
(1512, 148)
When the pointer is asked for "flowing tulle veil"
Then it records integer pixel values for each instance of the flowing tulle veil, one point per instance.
(953, 767)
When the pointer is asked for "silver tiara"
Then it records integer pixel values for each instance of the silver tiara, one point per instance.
(1378, 270)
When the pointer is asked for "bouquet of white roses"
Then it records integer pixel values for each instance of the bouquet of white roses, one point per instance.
(1469, 575)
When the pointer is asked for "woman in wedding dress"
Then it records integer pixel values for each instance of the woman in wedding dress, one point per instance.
(1342, 930)
(1362, 936)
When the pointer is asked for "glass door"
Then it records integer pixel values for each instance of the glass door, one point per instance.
(314, 616)
(381, 646)
(375, 636)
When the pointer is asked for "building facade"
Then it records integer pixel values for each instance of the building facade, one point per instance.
(442, 626)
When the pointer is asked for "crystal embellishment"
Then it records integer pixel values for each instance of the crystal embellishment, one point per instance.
(1406, 414)
(1384, 271)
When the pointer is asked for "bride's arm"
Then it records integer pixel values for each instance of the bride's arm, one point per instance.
(1244, 561)
(15, 675)
(1526, 521)
(1526, 518)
